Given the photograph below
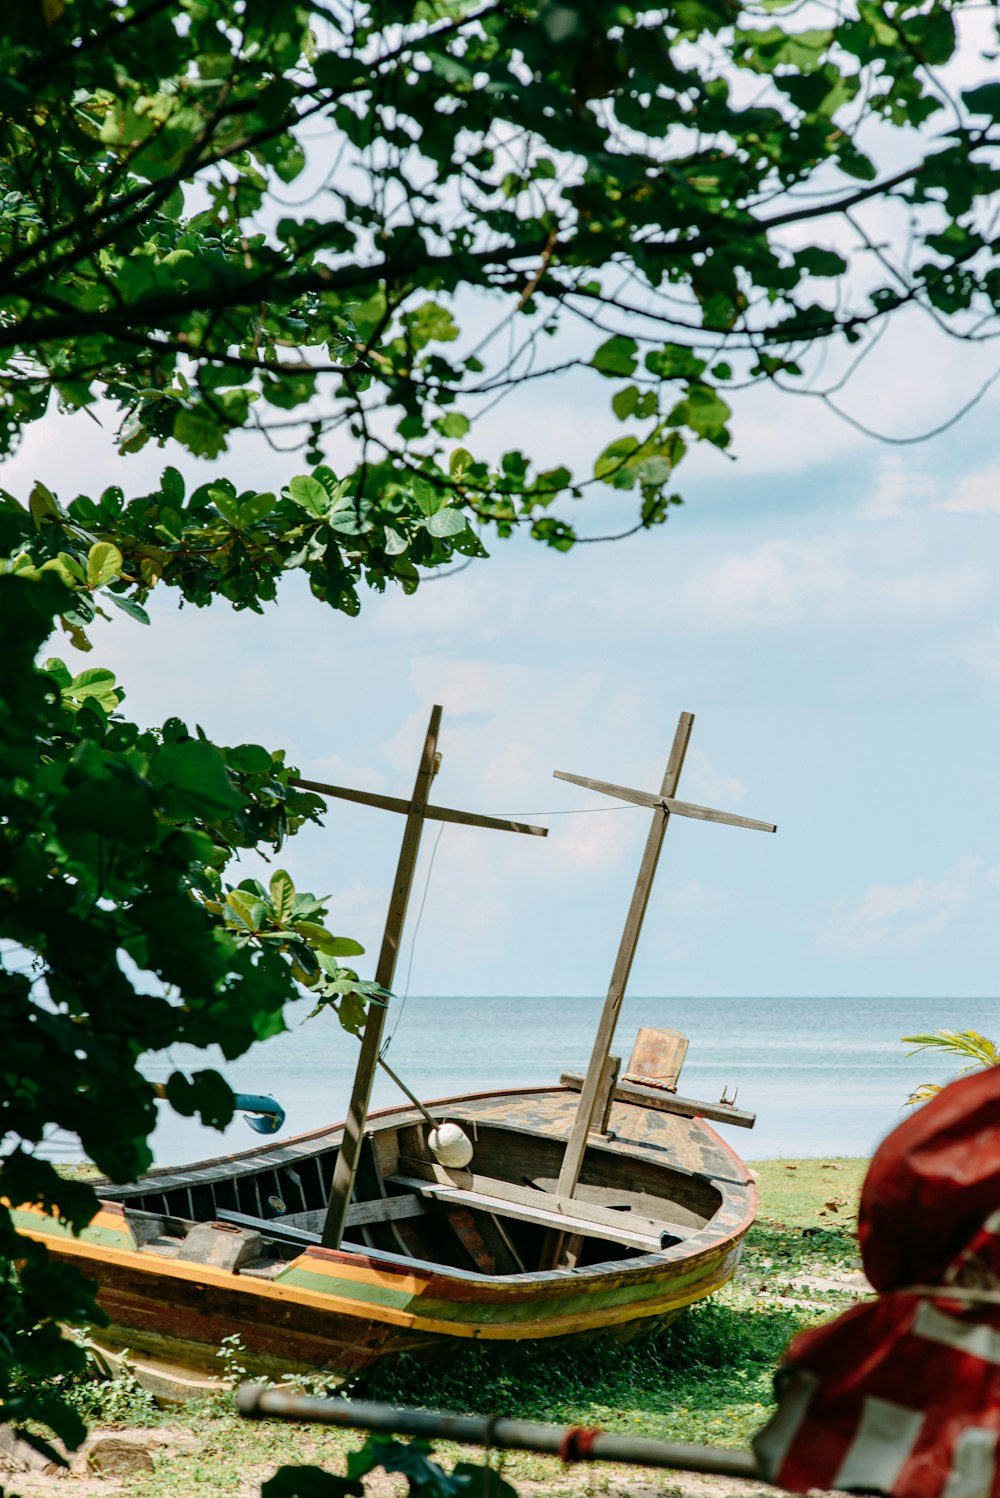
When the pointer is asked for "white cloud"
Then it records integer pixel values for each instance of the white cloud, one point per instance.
(903, 916)
(702, 782)
(975, 494)
(904, 489)
(335, 769)
(767, 584)
(840, 579)
(900, 490)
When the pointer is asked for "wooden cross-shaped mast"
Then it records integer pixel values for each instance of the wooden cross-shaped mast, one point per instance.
(663, 807)
(416, 811)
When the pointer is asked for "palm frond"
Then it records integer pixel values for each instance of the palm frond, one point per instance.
(923, 1093)
(978, 1048)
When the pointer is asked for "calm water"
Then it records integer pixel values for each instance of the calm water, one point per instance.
(824, 1076)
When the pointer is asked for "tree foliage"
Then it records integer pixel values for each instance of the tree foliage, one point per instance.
(352, 227)
(119, 938)
(314, 219)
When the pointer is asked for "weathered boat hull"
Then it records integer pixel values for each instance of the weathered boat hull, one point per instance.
(345, 1309)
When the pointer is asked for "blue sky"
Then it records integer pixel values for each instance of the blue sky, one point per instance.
(825, 605)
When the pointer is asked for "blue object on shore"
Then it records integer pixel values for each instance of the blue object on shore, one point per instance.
(271, 1115)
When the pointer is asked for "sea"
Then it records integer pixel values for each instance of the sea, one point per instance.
(824, 1076)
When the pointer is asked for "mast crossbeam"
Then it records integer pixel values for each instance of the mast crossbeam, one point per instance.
(666, 803)
(430, 813)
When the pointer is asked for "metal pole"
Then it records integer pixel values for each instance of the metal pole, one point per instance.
(258, 1402)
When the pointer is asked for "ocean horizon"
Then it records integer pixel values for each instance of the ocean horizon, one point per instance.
(824, 1076)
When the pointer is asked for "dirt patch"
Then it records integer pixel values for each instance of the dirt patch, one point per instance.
(109, 1461)
(179, 1459)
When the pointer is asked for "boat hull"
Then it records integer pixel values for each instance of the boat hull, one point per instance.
(344, 1310)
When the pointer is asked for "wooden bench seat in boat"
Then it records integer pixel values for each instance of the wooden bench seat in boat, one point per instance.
(280, 1231)
(521, 1204)
(495, 1197)
(454, 1196)
(525, 1204)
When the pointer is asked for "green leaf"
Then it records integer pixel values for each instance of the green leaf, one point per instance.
(249, 913)
(453, 425)
(172, 481)
(309, 494)
(309, 1482)
(673, 362)
(819, 262)
(249, 759)
(96, 684)
(617, 356)
(324, 941)
(425, 1477)
(705, 412)
(430, 323)
(614, 458)
(43, 506)
(59, 567)
(482, 1481)
(446, 522)
(282, 896)
(624, 402)
(256, 508)
(128, 606)
(191, 777)
(118, 810)
(200, 431)
(985, 99)
(104, 563)
(776, 47)
(206, 1093)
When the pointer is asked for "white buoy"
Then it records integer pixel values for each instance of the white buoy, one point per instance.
(450, 1146)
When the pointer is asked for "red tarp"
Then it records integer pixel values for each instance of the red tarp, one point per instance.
(902, 1395)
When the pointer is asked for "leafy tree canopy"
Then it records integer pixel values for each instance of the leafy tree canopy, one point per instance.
(354, 227)
(118, 937)
(312, 219)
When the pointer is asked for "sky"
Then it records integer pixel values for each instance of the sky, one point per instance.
(825, 604)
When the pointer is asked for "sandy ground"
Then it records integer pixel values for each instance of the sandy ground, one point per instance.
(166, 1444)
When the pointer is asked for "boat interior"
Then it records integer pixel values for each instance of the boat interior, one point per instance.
(254, 1212)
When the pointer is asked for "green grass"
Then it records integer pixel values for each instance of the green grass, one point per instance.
(708, 1377)
(810, 1193)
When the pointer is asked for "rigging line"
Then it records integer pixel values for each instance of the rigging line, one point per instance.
(580, 811)
(413, 944)
(574, 811)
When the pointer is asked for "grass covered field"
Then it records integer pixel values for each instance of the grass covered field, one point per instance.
(706, 1378)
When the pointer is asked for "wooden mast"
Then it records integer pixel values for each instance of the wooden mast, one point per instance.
(556, 1250)
(416, 811)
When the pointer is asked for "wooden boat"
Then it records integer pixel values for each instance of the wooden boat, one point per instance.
(435, 1258)
(595, 1206)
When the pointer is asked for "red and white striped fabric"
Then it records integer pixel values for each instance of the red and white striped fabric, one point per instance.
(901, 1395)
